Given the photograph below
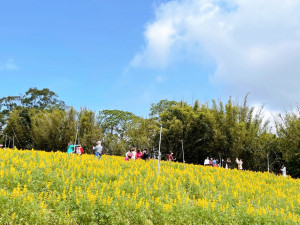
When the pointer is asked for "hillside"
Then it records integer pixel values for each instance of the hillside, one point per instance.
(37, 187)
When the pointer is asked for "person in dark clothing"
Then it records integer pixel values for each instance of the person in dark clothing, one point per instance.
(145, 155)
(228, 163)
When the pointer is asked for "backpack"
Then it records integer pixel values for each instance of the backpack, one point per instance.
(78, 151)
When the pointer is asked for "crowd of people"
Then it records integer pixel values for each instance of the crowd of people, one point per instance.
(135, 153)
(78, 150)
(227, 164)
(75, 149)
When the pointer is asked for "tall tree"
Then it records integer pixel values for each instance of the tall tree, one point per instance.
(160, 107)
(89, 130)
(288, 131)
(41, 99)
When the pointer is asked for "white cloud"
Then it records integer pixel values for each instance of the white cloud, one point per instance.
(8, 66)
(255, 45)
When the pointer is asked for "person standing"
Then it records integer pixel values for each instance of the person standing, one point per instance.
(211, 162)
(145, 155)
(79, 150)
(214, 161)
(71, 148)
(98, 150)
(228, 162)
(139, 154)
(128, 155)
(283, 170)
(206, 162)
(133, 151)
(240, 163)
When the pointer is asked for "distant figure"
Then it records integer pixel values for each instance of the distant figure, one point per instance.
(139, 154)
(145, 155)
(170, 157)
(133, 151)
(214, 161)
(71, 148)
(98, 150)
(211, 162)
(228, 162)
(240, 163)
(283, 170)
(79, 150)
(206, 162)
(128, 155)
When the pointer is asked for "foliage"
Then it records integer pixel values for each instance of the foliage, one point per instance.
(288, 130)
(219, 131)
(122, 130)
(41, 99)
(53, 130)
(33, 98)
(160, 107)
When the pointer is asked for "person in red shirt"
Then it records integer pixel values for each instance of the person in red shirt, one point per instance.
(139, 154)
(79, 150)
(170, 157)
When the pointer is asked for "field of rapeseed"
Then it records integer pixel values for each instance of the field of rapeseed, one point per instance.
(56, 188)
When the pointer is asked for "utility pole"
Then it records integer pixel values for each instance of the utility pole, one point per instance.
(75, 138)
(268, 162)
(158, 166)
(182, 151)
(5, 140)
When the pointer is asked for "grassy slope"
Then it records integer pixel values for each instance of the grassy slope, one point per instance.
(56, 188)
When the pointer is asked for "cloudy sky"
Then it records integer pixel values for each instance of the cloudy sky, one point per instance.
(128, 54)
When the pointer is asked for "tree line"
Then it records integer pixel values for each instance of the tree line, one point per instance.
(39, 120)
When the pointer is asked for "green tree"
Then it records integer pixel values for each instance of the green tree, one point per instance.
(19, 126)
(160, 107)
(41, 99)
(115, 125)
(288, 131)
(89, 130)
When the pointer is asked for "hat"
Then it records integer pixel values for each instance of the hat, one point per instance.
(98, 142)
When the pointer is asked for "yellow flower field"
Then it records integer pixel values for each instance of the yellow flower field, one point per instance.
(37, 187)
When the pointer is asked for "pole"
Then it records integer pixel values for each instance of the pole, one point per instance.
(182, 151)
(158, 166)
(75, 138)
(13, 142)
(5, 140)
(268, 162)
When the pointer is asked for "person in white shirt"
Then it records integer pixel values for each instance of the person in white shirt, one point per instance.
(133, 151)
(206, 162)
(283, 170)
(240, 163)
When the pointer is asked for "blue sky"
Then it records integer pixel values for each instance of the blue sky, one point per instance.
(128, 54)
